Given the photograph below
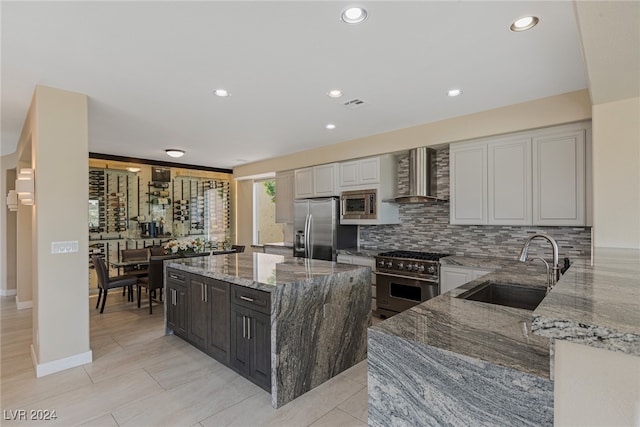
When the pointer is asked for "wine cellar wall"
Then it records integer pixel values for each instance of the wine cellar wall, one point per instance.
(130, 210)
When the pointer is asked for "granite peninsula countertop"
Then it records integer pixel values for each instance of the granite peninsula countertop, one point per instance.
(259, 270)
(596, 303)
(492, 333)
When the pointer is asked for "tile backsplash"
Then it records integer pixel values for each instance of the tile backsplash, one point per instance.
(425, 227)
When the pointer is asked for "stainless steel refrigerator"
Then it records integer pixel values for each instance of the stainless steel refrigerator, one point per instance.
(317, 228)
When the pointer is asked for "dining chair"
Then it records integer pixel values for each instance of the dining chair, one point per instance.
(154, 280)
(134, 270)
(105, 282)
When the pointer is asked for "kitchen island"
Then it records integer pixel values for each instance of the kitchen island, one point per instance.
(451, 361)
(309, 316)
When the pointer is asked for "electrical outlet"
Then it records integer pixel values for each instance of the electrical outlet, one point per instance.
(64, 247)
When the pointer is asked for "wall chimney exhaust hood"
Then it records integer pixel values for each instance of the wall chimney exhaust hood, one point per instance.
(423, 181)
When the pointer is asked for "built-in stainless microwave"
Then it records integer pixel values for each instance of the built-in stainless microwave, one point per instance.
(360, 204)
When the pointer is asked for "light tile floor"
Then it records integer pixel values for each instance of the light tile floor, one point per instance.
(140, 377)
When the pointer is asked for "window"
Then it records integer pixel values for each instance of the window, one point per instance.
(265, 228)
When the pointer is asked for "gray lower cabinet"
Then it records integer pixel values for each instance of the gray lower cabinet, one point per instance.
(177, 303)
(218, 331)
(203, 310)
(230, 323)
(251, 334)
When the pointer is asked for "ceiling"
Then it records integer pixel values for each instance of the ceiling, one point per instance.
(149, 69)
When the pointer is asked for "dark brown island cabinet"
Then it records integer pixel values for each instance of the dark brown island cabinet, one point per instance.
(177, 303)
(251, 334)
(230, 323)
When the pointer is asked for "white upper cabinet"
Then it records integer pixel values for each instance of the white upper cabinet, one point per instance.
(559, 178)
(324, 180)
(284, 197)
(316, 181)
(360, 172)
(468, 179)
(528, 178)
(509, 181)
(303, 183)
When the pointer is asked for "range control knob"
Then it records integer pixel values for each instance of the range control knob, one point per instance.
(420, 268)
(409, 267)
(381, 263)
(389, 264)
(431, 270)
(400, 265)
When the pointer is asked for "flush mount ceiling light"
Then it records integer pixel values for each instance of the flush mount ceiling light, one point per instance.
(221, 93)
(173, 152)
(134, 169)
(354, 15)
(454, 92)
(334, 93)
(524, 24)
(330, 126)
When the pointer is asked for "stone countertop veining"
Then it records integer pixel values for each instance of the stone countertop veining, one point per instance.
(488, 263)
(492, 333)
(359, 252)
(596, 303)
(258, 270)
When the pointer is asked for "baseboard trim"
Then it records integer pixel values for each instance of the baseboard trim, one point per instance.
(54, 366)
(23, 304)
(7, 292)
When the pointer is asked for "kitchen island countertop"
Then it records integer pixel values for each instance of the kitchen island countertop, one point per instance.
(319, 312)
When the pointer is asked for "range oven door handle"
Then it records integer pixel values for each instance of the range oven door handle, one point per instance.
(421, 279)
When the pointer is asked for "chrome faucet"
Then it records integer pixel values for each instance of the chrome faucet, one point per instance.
(555, 269)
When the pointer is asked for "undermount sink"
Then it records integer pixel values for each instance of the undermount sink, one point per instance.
(507, 294)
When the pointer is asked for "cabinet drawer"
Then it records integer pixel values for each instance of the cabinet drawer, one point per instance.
(251, 298)
(176, 276)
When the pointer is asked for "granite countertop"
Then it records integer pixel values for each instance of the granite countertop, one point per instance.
(359, 252)
(258, 270)
(596, 303)
(492, 333)
(278, 244)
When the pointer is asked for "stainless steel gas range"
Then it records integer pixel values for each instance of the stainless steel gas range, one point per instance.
(405, 279)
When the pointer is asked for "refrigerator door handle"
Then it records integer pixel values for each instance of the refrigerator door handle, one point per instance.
(310, 245)
(306, 236)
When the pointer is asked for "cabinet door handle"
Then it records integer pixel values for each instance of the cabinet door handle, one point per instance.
(246, 298)
(244, 326)
(202, 291)
(248, 328)
(206, 293)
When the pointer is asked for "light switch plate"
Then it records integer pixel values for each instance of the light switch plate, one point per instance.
(64, 247)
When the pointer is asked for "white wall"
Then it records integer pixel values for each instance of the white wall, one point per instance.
(616, 174)
(595, 387)
(8, 165)
(56, 136)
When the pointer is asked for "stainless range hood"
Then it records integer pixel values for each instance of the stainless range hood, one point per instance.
(423, 181)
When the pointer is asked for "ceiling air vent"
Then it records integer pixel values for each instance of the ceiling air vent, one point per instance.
(354, 103)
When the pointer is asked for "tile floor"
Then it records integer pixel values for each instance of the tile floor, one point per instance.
(140, 377)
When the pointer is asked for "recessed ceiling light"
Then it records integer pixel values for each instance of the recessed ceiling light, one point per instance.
(133, 169)
(335, 93)
(454, 92)
(354, 15)
(330, 126)
(173, 152)
(221, 92)
(524, 24)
